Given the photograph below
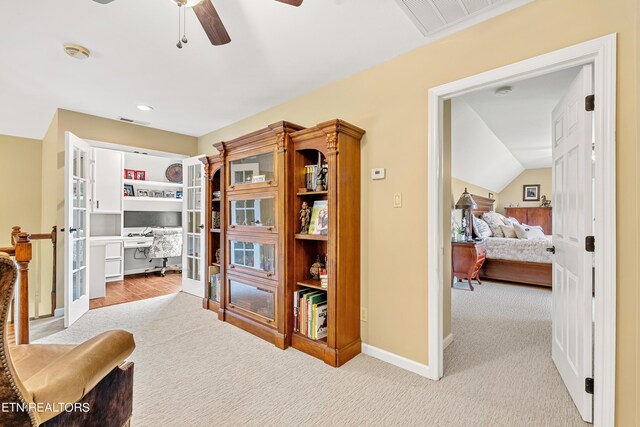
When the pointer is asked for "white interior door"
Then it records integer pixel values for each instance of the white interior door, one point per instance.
(572, 343)
(76, 228)
(193, 220)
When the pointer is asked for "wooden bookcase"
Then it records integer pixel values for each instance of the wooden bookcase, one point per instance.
(338, 143)
(259, 297)
(214, 173)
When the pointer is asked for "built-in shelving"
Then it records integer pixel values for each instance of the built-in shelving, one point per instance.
(321, 237)
(152, 199)
(311, 283)
(313, 193)
(156, 184)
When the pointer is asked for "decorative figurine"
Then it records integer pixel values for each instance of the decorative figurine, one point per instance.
(218, 256)
(315, 268)
(544, 202)
(322, 178)
(305, 218)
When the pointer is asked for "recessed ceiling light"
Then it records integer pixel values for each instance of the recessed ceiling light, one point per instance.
(143, 107)
(503, 91)
(76, 51)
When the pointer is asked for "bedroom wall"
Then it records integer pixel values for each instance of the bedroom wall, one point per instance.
(512, 193)
(458, 186)
(390, 102)
(21, 204)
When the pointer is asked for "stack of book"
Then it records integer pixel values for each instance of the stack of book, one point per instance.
(324, 278)
(310, 313)
(215, 287)
(311, 176)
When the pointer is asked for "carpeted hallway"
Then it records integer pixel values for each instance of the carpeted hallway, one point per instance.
(192, 370)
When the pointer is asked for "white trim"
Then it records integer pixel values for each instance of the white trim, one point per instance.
(602, 53)
(447, 341)
(399, 361)
(136, 150)
(58, 312)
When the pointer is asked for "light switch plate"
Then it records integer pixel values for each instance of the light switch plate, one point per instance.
(378, 173)
(363, 314)
(397, 200)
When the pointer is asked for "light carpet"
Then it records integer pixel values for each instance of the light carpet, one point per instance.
(192, 370)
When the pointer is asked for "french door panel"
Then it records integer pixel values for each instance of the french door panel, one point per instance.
(193, 220)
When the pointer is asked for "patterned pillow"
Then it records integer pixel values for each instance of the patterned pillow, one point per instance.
(494, 221)
(530, 232)
(508, 231)
(481, 228)
(511, 221)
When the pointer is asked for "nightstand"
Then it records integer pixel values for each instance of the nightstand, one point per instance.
(466, 260)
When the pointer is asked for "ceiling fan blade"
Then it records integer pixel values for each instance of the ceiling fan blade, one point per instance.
(103, 1)
(211, 23)
(295, 3)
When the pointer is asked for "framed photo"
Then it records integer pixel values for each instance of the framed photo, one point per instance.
(179, 194)
(128, 190)
(531, 193)
(491, 196)
(157, 194)
(169, 194)
(142, 193)
(141, 175)
(129, 174)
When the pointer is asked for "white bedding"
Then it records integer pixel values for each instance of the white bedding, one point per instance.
(519, 249)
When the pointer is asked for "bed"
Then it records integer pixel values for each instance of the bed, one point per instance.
(514, 260)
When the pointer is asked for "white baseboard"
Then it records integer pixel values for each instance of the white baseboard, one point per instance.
(399, 361)
(448, 340)
(59, 312)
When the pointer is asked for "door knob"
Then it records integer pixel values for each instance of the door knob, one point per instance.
(201, 226)
(552, 249)
(71, 230)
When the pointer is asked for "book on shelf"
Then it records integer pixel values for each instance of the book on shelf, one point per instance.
(214, 284)
(297, 299)
(309, 315)
(324, 278)
(319, 223)
(311, 177)
(320, 316)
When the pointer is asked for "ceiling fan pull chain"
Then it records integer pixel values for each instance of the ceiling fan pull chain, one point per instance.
(184, 27)
(179, 44)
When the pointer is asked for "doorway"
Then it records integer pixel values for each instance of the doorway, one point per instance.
(601, 54)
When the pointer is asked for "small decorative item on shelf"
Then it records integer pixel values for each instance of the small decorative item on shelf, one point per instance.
(128, 190)
(142, 193)
(258, 178)
(316, 267)
(544, 202)
(216, 194)
(215, 219)
(140, 175)
(319, 218)
(324, 278)
(218, 256)
(169, 194)
(157, 194)
(305, 218)
(129, 174)
(179, 194)
(174, 173)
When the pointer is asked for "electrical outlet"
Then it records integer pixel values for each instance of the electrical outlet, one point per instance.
(397, 200)
(363, 314)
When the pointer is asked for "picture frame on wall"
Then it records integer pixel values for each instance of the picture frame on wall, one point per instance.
(142, 193)
(128, 190)
(129, 174)
(159, 194)
(531, 193)
(169, 194)
(141, 175)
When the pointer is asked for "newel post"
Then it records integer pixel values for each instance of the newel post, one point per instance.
(23, 257)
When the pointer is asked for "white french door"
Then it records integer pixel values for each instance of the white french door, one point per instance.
(193, 221)
(76, 228)
(572, 169)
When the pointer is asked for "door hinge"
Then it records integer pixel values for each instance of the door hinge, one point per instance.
(588, 385)
(590, 102)
(590, 244)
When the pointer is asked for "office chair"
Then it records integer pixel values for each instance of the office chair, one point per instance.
(167, 242)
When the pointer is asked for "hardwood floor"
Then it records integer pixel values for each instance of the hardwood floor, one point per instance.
(138, 287)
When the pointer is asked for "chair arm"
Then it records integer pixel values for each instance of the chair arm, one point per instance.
(70, 377)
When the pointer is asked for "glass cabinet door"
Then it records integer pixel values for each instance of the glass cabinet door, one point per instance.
(252, 170)
(252, 213)
(256, 257)
(257, 300)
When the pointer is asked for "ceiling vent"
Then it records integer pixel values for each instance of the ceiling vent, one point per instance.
(438, 18)
(135, 122)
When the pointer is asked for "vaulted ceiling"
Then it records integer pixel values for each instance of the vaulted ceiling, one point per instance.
(277, 52)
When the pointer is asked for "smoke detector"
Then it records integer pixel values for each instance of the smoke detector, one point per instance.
(76, 51)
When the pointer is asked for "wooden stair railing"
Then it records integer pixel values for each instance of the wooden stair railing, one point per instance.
(22, 251)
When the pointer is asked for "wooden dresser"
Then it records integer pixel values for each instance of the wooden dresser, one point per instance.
(532, 216)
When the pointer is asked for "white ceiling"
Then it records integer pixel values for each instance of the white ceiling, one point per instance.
(277, 52)
(521, 120)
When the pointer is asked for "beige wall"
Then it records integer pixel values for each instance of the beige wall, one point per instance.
(458, 186)
(390, 102)
(98, 129)
(21, 202)
(512, 193)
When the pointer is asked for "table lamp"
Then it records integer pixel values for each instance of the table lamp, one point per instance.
(466, 203)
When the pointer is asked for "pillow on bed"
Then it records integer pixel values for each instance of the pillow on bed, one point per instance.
(530, 232)
(511, 221)
(481, 228)
(509, 231)
(494, 221)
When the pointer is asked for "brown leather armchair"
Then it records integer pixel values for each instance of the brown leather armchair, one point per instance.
(63, 385)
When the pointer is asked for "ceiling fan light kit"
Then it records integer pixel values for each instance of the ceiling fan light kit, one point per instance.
(208, 17)
(76, 51)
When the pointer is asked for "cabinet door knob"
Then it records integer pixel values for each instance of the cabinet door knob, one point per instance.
(232, 266)
(232, 226)
(269, 274)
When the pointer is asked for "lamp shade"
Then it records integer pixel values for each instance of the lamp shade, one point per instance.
(466, 201)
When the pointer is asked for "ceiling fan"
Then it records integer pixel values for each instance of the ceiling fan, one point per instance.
(208, 17)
